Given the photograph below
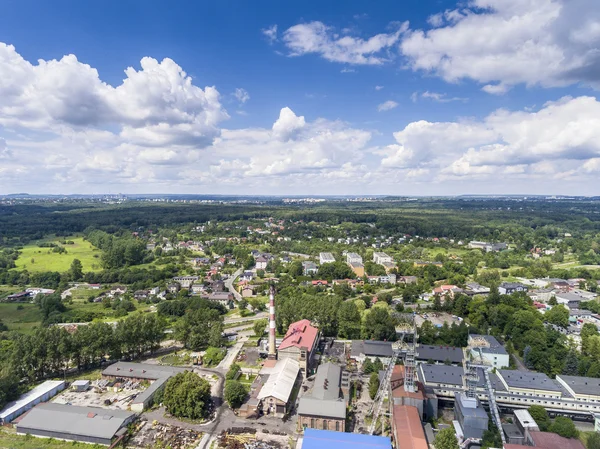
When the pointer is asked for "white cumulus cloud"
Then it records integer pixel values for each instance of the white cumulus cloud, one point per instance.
(387, 106)
(320, 39)
(502, 43)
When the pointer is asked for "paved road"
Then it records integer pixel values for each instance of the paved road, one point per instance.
(232, 353)
(519, 363)
(229, 284)
(258, 316)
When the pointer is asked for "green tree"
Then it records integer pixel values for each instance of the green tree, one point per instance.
(379, 325)
(593, 441)
(187, 395)
(373, 385)
(234, 393)
(558, 315)
(446, 439)
(76, 270)
(540, 416)
(259, 327)
(564, 427)
(200, 328)
(367, 366)
(348, 321)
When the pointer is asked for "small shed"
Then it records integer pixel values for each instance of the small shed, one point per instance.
(81, 385)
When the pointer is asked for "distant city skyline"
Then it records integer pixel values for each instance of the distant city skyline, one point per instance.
(428, 98)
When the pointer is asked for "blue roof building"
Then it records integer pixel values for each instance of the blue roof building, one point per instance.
(327, 439)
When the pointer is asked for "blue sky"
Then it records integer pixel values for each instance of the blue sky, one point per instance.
(414, 97)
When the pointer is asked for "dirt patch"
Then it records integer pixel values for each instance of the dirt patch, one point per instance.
(157, 434)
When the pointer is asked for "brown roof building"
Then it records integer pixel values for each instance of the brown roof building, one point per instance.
(407, 428)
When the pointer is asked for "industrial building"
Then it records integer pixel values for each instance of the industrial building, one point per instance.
(300, 343)
(512, 389)
(448, 355)
(138, 372)
(324, 407)
(68, 422)
(470, 416)
(407, 429)
(327, 439)
(42, 393)
(361, 349)
(274, 395)
(353, 258)
(490, 350)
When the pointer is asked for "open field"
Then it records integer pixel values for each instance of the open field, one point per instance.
(23, 317)
(20, 317)
(36, 259)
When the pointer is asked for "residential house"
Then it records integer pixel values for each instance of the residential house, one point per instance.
(508, 288)
(357, 268)
(261, 263)
(173, 288)
(309, 268)
(186, 281)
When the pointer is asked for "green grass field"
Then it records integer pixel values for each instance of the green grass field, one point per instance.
(20, 317)
(10, 440)
(36, 259)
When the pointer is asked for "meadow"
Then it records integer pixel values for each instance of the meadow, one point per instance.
(33, 258)
(20, 317)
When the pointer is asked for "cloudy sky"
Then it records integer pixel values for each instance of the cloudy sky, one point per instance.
(416, 97)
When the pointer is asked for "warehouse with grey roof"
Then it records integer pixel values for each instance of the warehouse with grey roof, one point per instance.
(68, 422)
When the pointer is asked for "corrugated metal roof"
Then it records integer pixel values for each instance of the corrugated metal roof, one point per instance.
(31, 396)
(71, 420)
(408, 431)
(281, 379)
(326, 408)
(140, 370)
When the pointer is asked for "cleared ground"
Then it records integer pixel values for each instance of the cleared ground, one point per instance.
(36, 259)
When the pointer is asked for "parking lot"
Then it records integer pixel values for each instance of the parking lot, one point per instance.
(436, 318)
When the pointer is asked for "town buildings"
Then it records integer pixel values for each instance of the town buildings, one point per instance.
(363, 349)
(326, 258)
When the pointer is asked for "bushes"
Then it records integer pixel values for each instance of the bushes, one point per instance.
(232, 374)
(213, 356)
(234, 393)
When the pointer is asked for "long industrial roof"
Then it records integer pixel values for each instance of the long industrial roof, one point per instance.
(281, 379)
(327, 382)
(528, 380)
(440, 353)
(372, 348)
(140, 370)
(581, 385)
(408, 430)
(327, 439)
(72, 420)
(30, 397)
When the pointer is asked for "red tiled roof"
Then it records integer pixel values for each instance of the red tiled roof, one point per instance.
(408, 431)
(548, 440)
(300, 334)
